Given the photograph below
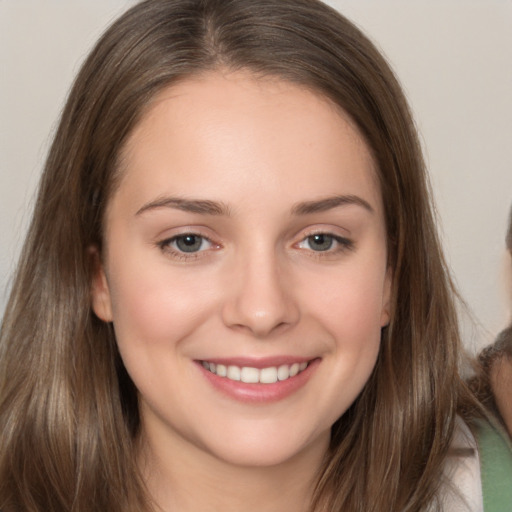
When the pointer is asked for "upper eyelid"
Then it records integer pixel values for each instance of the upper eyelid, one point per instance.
(323, 230)
(339, 239)
(189, 233)
(326, 227)
(175, 232)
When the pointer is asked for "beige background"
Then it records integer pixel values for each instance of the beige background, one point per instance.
(454, 58)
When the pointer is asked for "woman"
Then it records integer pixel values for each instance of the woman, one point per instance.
(232, 293)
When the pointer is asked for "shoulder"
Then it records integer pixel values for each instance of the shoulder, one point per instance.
(478, 470)
(495, 452)
(462, 485)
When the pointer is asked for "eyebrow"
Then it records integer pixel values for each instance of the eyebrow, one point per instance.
(207, 207)
(328, 203)
(200, 206)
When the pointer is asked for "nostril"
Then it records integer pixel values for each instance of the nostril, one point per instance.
(260, 322)
(260, 301)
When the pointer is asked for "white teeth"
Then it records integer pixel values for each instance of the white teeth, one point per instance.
(251, 375)
(268, 375)
(283, 372)
(233, 373)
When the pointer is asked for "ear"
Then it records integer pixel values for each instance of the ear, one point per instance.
(100, 291)
(386, 298)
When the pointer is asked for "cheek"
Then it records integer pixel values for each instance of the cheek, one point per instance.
(152, 306)
(349, 308)
(349, 312)
(154, 313)
(501, 382)
(352, 302)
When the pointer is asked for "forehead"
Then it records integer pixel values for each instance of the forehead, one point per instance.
(217, 130)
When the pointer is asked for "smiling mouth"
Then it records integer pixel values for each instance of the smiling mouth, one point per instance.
(249, 375)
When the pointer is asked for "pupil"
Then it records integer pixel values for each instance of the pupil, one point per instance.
(320, 242)
(189, 243)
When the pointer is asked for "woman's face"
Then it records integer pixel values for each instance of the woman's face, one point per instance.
(245, 268)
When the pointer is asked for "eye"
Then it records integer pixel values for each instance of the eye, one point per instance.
(319, 242)
(187, 243)
(324, 242)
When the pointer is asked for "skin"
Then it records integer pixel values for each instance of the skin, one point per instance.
(501, 383)
(263, 152)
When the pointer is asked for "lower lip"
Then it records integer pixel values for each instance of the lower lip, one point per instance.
(259, 393)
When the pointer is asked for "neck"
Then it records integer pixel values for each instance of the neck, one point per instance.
(187, 479)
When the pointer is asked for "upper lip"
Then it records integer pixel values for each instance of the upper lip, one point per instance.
(260, 362)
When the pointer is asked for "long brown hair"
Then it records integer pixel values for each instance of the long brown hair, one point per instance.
(68, 411)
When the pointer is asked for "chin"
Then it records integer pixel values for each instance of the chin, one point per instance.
(262, 449)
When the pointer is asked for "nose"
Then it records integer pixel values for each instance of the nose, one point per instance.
(262, 300)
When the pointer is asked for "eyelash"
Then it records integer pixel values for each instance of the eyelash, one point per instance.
(166, 246)
(342, 244)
